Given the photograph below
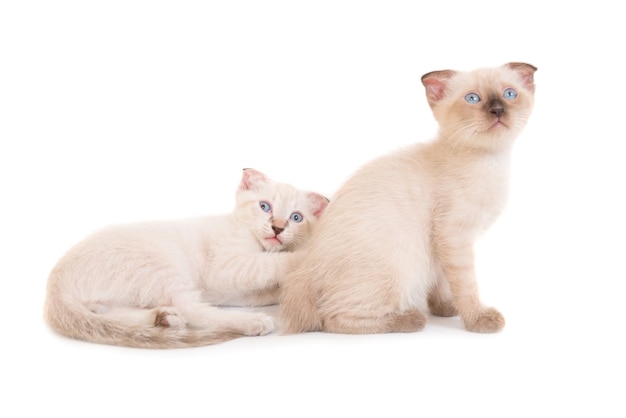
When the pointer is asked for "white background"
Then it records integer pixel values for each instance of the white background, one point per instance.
(132, 110)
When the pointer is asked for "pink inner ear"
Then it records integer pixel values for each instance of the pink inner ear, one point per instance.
(435, 89)
(435, 83)
(319, 203)
(250, 178)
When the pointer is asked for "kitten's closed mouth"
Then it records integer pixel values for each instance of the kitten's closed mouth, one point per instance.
(498, 123)
(274, 240)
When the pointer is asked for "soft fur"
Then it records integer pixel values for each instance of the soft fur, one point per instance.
(157, 284)
(399, 235)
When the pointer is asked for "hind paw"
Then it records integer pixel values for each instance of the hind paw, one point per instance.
(441, 307)
(167, 318)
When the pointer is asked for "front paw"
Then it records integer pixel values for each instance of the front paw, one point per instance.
(488, 320)
(260, 324)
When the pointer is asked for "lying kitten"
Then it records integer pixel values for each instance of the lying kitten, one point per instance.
(400, 233)
(153, 284)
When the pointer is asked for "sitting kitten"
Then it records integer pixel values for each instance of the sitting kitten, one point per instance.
(399, 235)
(152, 284)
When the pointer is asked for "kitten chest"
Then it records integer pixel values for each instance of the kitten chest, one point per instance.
(481, 193)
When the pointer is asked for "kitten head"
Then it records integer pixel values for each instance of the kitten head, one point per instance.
(278, 215)
(485, 108)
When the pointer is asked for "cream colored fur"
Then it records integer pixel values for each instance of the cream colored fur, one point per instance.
(157, 284)
(399, 235)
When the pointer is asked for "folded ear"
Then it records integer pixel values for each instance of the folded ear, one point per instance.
(436, 83)
(251, 178)
(318, 203)
(526, 73)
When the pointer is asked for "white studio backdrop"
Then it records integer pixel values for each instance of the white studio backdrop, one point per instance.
(132, 110)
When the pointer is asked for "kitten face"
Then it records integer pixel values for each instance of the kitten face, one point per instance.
(278, 215)
(485, 108)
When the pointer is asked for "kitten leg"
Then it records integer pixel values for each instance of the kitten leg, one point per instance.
(203, 316)
(248, 279)
(264, 297)
(441, 300)
(244, 323)
(457, 263)
(409, 321)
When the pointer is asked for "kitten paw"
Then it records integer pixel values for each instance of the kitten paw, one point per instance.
(489, 320)
(166, 318)
(260, 324)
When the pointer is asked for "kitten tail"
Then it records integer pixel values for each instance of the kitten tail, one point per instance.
(74, 320)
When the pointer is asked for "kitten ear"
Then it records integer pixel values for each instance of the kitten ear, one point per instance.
(525, 71)
(318, 202)
(251, 178)
(436, 83)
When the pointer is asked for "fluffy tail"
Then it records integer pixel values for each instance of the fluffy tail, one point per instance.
(298, 305)
(74, 320)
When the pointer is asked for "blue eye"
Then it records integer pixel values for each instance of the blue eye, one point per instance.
(510, 94)
(296, 217)
(265, 207)
(472, 98)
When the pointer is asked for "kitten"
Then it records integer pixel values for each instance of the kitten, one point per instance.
(399, 235)
(155, 284)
